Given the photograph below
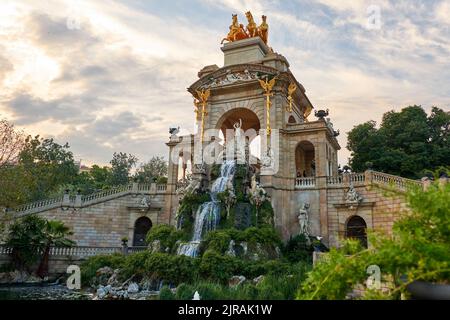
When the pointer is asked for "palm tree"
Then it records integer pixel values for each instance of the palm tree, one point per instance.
(54, 234)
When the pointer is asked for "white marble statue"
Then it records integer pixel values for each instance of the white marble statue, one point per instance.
(303, 219)
(353, 197)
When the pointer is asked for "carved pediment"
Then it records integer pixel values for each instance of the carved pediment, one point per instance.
(233, 74)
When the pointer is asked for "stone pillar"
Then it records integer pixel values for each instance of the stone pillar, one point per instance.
(135, 187)
(78, 200)
(66, 199)
(367, 177)
(172, 179)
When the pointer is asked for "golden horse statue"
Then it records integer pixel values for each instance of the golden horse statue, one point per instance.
(237, 31)
(252, 27)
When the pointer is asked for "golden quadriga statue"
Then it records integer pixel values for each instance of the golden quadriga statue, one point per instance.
(239, 32)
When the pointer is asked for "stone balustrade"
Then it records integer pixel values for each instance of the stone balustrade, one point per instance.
(78, 201)
(361, 179)
(396, 182)
(305, 183)
(80, 252)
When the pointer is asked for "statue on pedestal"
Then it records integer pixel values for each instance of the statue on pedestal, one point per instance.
(303, 219)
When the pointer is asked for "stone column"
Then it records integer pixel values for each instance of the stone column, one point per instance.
(172, 179)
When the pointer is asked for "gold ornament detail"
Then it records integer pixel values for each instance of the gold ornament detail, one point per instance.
(291, 90)
(201, 101)
(267, 86)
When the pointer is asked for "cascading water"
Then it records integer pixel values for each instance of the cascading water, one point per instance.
(207, 216)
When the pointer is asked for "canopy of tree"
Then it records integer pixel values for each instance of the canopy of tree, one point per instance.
(407, 143)
(33, 168)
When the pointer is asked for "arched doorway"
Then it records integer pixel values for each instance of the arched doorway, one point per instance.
(304, 159)
(141, 227)
(357, 229)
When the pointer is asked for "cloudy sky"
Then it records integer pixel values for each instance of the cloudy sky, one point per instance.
(111, 76)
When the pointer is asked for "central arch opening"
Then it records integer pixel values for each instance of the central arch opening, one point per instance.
(248, 120)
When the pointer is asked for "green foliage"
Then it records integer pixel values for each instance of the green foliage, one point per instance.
(31, 238)
(166, 294)
(171, 268)
(298, 249)
(273, 287)
(134, 265)
(218, 267)
(153, 171)
(215, 171)
(121, 165)
(184, 292)
(90, 266)
(186, 211)
(167, 235)
(25, 237)
(419, 249)
(334, 276)
(219, 240)
(407, 142)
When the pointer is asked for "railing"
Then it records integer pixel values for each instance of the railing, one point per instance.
(305, 183)
(40, 204)
(80, 251)
(84, 251)
(394, 181)
(357, 178)
(89, 199)
(337, 180)
(161, 187)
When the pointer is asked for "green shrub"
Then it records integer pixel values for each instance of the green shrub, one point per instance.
(184, 292)
(217, 240)
(167, 235)
(134, 264)
(297, 249)
(92, 264)
(218, 267)
(166, 294)
(171, 268)
(209, 291)
(264, 235)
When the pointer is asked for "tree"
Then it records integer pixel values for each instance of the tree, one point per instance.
(121, 165)
(53, 234)
(43, 166)
(31, 238)
(406, 144)
(12, 143)
(46, 165)
(153, 171)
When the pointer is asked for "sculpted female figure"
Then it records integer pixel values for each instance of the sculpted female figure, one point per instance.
(264, 30)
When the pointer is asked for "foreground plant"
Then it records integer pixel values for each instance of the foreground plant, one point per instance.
(418, 250)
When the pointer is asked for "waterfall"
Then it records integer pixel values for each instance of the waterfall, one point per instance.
(207, 216)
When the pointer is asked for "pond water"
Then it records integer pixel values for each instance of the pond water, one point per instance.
(56, 292)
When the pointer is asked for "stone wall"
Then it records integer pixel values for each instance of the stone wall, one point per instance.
(103, 220)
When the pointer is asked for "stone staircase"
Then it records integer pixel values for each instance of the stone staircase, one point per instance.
(80, 201)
